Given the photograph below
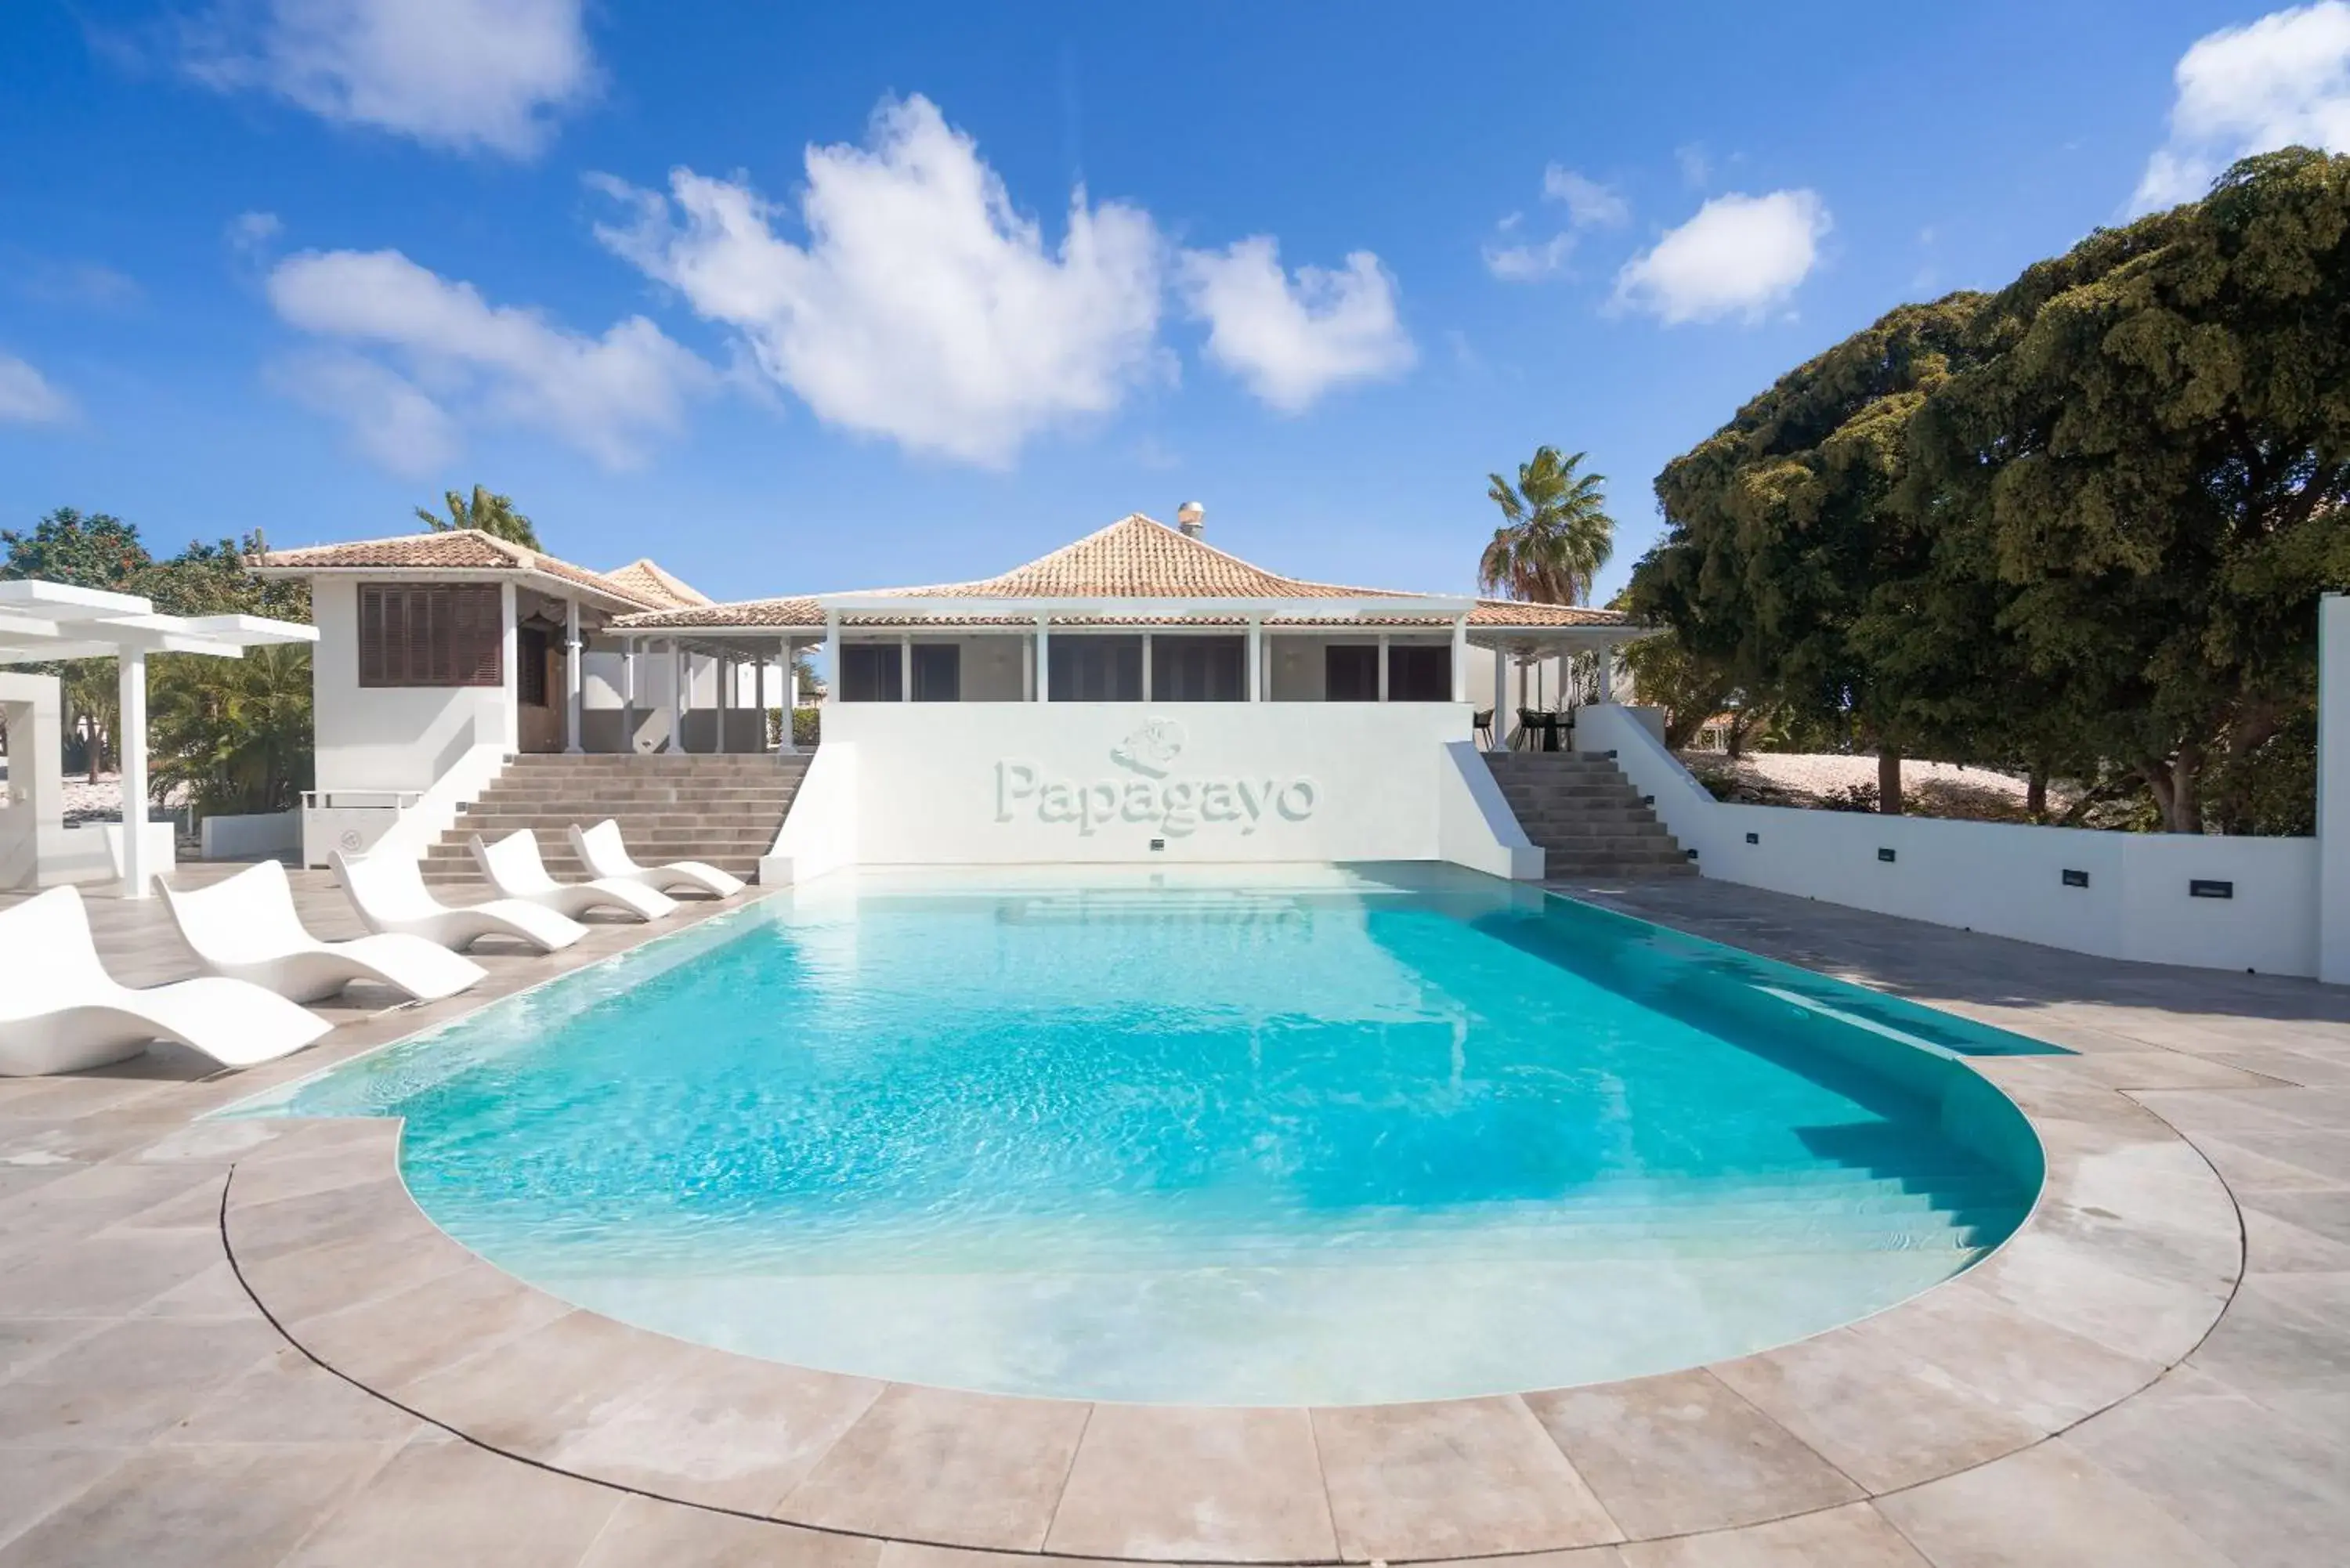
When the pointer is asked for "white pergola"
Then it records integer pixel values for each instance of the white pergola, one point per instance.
(41, 622)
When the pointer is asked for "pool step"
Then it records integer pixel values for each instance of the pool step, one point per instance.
(722, 810)
(1585, 816)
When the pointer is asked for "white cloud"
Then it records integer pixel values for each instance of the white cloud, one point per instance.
(922, 306)
(87, 285)
(26, 397)
(1526, 261)
(1589, 204)
(251, 235)
(1739, 256)
(459, 355)
(471, 75)
(389, 418)
(2275, 82)
(1289, 342)
(1696, 167)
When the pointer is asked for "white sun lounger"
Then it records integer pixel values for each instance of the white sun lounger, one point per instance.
(245, 927)
(389, 892)
(514, 869)
(60, 1012)
(608, 859)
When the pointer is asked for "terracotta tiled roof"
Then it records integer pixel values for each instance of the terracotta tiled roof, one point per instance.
(644, 577)
(1134, 558)
(458, 549)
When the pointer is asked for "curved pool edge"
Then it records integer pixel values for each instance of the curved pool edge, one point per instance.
(2128, 1256)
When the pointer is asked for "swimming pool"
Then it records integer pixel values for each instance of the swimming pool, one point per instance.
(1295, 1136)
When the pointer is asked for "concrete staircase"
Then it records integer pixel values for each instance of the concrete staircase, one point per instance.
(1585, 816)
(720, 810)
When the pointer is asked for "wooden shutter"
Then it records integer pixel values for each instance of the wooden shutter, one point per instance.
(415, 634)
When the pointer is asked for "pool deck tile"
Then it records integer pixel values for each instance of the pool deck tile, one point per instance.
(531, 1394)
(935, 1464)
(646, 1534)
(129, 1383)
(1873, 1411)
(438, 1504)
(724, 1431)
(36, 1482)
(1679, 1453)
(1853, 1536)
(1452, 1477)
(386, 1342)
(2043, 1506)
(2043, 1376)
(1195, 1484)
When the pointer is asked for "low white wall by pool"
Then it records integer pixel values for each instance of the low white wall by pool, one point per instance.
(1013, 783)
(2009, 879)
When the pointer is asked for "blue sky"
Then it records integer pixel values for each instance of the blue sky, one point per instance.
(802, 298)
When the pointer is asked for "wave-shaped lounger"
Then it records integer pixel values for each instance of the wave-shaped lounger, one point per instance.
(514, 869)
(608, 859)
(60, 1012)
(245, 927)
(389, 892)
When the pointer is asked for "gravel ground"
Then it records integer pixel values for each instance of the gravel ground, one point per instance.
(101, 802)
(1815, 780)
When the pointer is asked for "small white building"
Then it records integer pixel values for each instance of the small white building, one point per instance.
(961, 721)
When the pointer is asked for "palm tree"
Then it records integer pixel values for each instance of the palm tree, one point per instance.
(236, 732)
(493, 514)
(1555, 533)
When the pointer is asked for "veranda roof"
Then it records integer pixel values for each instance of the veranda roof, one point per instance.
(1166, 575)
(470, 554)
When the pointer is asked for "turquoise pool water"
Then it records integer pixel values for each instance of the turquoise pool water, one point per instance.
(1325, 1135)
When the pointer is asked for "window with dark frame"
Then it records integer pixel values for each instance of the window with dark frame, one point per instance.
(1419, 674)
(938, 672)
(415, 634)
(1350, 672)
(1090, 666)
(1198, 668)
(871, 672)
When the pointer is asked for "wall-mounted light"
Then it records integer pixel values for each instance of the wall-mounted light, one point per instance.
(1753, 838)
(2199, 888)
(2076, 878)
(1885, 856)
(1157, 844)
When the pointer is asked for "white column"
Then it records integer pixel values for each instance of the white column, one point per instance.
(1028, 670)
(1256, 660)
(1044, 660)
(676, 696)
(1146, 667)
(509, 661)
(1608, 672)
(905, 667)
(836, 683)
(1500, 697)
(130, 739)
(1461, 658)
(2333, 789)
(784, 744)
(759, 701)
(572, 677)
(1383, 667)
(629, 697)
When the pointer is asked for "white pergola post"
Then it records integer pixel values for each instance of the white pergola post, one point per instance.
(1044, 658)
(628, 695)
(572, 677)
(1460, 658)
(510, 661)
(759, 699)
(130, 739)
(837, 681)
(1255, 658)
(1146, 667)
(784, 744)
(1501, 698)
(1606, 672)
(1383, 667)
(676, 696)
(905, 667)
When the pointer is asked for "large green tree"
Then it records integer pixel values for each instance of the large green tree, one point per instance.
(1555, 533)
(2148, 459)
(1789, 566)
(493, 514)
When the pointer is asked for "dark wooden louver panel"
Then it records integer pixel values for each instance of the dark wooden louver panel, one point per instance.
(414, 635)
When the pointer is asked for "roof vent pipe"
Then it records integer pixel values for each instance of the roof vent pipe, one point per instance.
(1191, 519)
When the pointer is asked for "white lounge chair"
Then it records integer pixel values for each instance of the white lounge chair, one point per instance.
(608, 859)
(514, 869)
(245, 927)
(389, 892)
(60, 1012)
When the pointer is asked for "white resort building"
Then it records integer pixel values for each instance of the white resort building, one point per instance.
(1136, 695)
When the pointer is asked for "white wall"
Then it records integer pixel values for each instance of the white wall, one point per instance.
(248, 837)
(1038, 783)
(820, 833)
(2003, 878)
(389, 738)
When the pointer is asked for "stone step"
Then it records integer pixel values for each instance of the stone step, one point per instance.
(630, 823)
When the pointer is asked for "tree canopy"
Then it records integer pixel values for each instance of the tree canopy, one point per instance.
(1555, 533)
(2078, 527)
(493, 514)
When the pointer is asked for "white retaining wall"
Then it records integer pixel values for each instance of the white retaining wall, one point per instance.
(2007, 879)
(249, 836)
(1025, 783)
